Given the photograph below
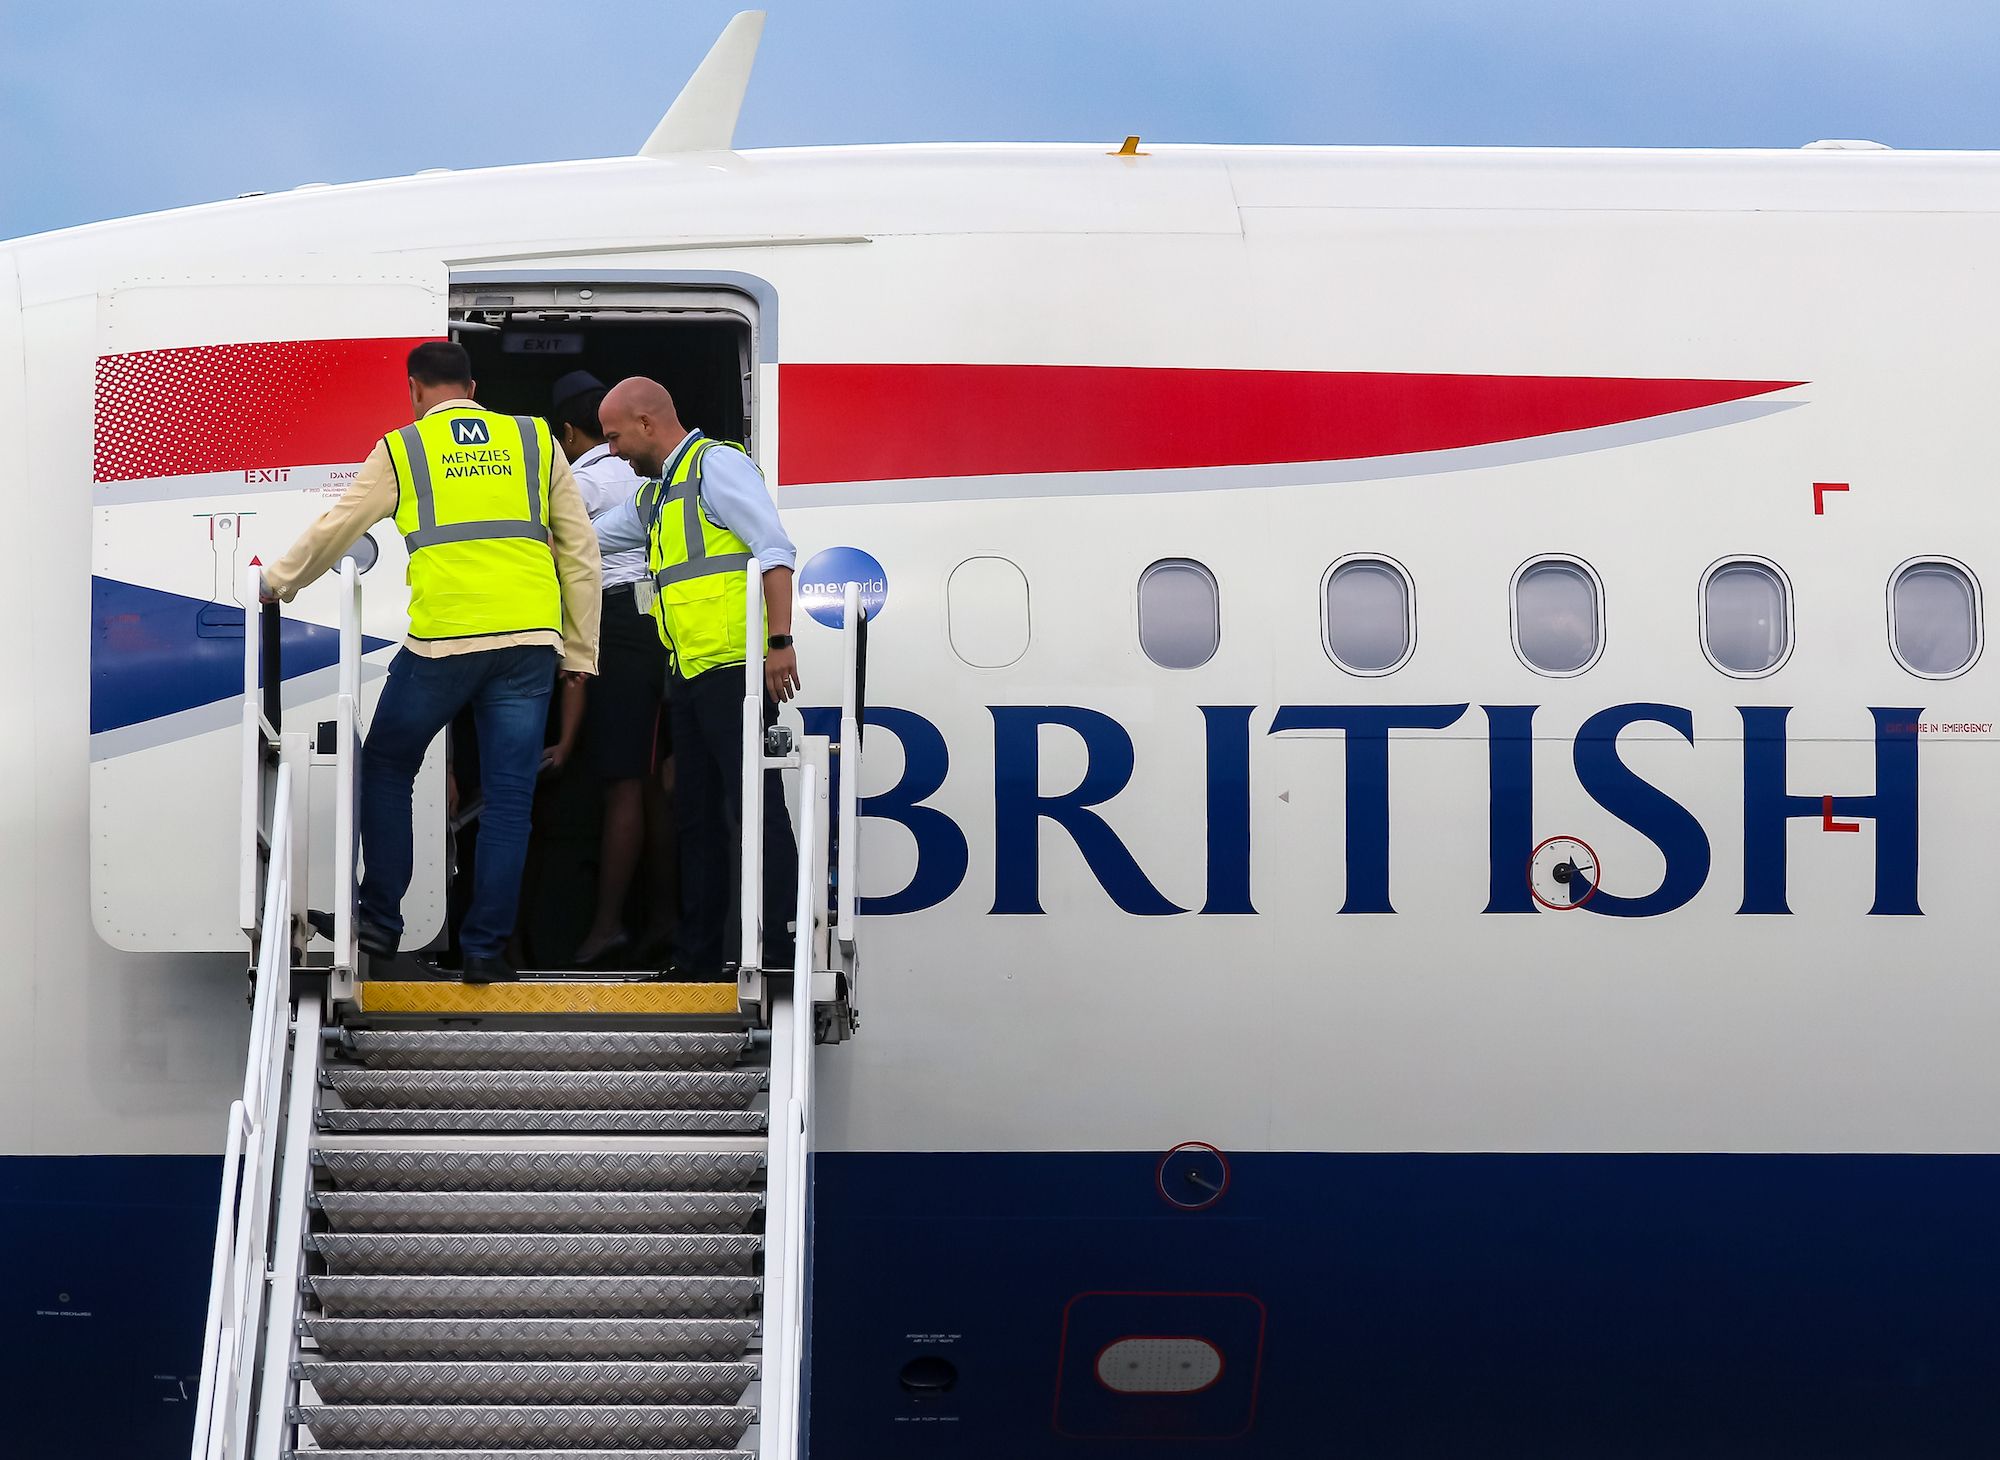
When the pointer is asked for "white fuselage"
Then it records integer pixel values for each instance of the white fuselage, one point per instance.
(1233, 949)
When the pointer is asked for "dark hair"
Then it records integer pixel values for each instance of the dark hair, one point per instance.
(580, 411)
(440, 362)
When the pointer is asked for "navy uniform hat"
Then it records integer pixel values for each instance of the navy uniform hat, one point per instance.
(572, 385)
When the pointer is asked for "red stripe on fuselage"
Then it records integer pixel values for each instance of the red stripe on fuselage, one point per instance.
(219, 408)
(857, 423)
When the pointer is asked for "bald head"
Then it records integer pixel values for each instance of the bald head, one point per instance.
(640, 424)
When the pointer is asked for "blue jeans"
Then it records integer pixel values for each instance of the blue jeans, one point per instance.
(508, 690)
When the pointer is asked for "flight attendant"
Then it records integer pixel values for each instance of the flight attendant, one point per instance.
(504, 585)
(702, 516)
(622, 725)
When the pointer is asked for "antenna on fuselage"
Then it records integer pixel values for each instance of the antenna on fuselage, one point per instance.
(703, 116)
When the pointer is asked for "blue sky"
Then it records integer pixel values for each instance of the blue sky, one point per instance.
(110, 107)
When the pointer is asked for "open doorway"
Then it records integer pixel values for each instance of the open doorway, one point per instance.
(701, 344)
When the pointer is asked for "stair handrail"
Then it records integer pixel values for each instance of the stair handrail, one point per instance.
(237, 1280)
(847, 816)
(262, 656)
(277, 1381)
(347, 759)
(751, 955)
(786, 1236)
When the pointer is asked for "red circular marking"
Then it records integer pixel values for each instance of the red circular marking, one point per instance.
(1595, 866)
(1160, 1176)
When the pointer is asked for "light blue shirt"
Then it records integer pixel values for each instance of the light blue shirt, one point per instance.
(733, 495)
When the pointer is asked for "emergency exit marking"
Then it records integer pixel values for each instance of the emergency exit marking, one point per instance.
(1820, 489)
(1826, 821)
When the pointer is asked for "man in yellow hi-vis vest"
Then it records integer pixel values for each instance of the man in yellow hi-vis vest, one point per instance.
(702, 516)
(504, 582)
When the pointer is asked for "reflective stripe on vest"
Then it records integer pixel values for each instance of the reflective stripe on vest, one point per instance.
(699, 569)
(472, 505)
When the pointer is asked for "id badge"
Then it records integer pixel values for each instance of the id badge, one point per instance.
(643, 594)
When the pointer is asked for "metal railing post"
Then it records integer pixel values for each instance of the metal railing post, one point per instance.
(347, 747)
(847, 817)
(252, 807)
(752, 948)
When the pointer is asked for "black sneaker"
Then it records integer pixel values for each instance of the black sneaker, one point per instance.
(375, 941)
(494, 969)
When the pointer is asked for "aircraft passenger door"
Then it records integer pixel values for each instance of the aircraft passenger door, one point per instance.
(230, 410)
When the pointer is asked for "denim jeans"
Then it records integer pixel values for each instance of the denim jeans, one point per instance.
(508, 690)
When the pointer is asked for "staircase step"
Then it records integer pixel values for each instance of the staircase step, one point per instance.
(475, 1339)
(526, 1382)
(691, 1122)
(533, 998)
(495, 1255)
(547, 1089)
(580, 1426)
(534, 1454)
(466, 1167)
(536, 1049)
(541, 1211)
(376, 1296)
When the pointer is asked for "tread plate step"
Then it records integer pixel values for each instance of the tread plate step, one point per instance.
(535, 1297)
(692, 1122)
(539, 997)
(526, 1382)
(705, 1339)
(583, 1426)
(547, 1089)
(532, 1454)
(536, 1049)
(541, 1211)
(497, 1254)
(478, 1169)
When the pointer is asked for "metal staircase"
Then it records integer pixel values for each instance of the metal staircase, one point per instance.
(559, 1218)
(535, 1240)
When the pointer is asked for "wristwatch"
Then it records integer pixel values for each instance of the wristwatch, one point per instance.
(780, 641)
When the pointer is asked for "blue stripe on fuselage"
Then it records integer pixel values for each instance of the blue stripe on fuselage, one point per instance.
(103, 1285)
(154, 653)
(1377, 1306)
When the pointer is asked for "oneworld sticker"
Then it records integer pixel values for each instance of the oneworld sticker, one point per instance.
(824, 579)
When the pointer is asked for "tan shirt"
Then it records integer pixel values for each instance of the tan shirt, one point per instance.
(373, 496)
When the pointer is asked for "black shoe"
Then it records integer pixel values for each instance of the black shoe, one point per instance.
(375, 941)
(493, 969)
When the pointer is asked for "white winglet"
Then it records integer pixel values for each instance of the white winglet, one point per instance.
(703, 116)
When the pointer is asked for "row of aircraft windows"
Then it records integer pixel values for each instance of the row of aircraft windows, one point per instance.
(1369, 616)
(1369, 619)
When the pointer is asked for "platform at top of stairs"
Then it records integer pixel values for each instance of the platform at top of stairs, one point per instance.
(560, 998)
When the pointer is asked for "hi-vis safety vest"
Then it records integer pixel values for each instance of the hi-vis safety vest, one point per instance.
(700, 570)
(472, 504)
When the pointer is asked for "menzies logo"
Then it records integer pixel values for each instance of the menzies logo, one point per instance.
(1771, 804)
(468, 433)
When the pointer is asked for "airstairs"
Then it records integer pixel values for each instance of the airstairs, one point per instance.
(564, 1217)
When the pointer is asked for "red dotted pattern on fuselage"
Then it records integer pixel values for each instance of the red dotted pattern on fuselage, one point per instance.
(220, 408)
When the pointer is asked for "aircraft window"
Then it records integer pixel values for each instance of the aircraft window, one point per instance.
(1558, 616)
(1370, 620)
(1934, 624)
(987, 612)
(1746, 617)
(1180, 614)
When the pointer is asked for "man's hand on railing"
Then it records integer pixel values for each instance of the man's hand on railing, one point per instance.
(264, 593)
(781, 673)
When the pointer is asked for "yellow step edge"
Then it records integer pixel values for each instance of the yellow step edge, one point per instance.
(400, 996)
